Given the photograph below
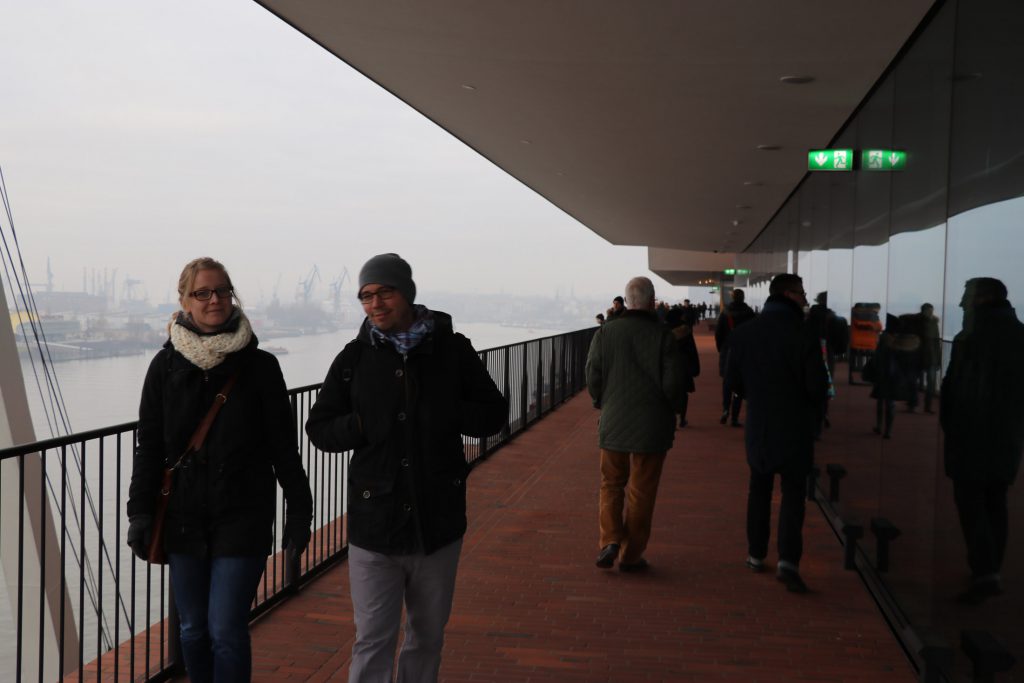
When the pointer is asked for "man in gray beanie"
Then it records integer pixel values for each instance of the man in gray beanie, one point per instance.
(401, 394)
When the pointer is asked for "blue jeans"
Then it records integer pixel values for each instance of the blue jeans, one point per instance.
(213, 596)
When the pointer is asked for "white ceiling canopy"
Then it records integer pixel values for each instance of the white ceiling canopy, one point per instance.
(659, 124)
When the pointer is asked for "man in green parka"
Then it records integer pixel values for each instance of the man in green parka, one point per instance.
(634, 377)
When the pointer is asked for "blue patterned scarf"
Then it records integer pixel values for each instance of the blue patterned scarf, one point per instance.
(404, 342)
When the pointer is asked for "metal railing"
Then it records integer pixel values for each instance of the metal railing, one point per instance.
(114, 614)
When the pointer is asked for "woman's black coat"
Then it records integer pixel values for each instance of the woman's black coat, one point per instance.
(405, 416)
(224, 497)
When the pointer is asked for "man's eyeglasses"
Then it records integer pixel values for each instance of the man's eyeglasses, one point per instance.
(384, 293)
(206, 294)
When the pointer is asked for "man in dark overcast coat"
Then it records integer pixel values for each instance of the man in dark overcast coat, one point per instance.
(982, 416)
(776, 364)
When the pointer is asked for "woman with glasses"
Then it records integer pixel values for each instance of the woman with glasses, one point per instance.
(218, 529)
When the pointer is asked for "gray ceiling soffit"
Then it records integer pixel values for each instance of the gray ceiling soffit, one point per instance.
(640, 120)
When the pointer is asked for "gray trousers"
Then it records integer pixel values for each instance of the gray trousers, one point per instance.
(379, 585)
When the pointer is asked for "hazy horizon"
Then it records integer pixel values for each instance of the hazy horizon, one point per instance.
(138, 136)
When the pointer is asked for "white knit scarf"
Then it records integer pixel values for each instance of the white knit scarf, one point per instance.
(207, 351)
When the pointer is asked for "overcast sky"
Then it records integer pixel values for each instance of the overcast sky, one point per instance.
(137, 135)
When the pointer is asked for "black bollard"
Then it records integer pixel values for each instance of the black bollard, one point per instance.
(852, 533)
(812, 482)
(884, 532)
(988, 655)
(937, 656)
(835, 474)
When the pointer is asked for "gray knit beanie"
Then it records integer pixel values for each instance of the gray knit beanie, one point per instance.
(391, 270)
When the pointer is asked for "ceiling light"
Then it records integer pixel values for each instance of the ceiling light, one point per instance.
(736, 222)
(525, 142)
(768, 148)
(797, 80)
(752, 183)
(467, 86)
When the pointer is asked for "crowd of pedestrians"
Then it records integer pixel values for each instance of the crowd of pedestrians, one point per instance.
(403, 392)
(781, 361)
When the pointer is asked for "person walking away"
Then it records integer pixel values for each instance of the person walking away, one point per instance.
(690, 365)
(401, 395)
(981, 411)
(634, 378)
(220, 515)
(931, 353)
(891, 373)
(775, 363)
(833, 334)
(735, 314)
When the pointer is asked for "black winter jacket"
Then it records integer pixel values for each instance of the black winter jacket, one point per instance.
(224, 497)
(405, 416)
(982, 408)
(735, 314)
(775, 363)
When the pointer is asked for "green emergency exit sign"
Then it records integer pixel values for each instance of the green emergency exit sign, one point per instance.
(882, 160)
(830, 160)
(736, 271)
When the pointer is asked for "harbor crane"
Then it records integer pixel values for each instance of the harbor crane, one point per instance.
(336, 286)
(306, 285)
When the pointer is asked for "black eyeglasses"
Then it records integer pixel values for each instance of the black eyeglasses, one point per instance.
(205, 294)
(384, 293)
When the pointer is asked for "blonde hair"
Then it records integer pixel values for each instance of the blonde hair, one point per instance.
(188, 277)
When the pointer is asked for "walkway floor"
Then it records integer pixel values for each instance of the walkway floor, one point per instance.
(531, 606)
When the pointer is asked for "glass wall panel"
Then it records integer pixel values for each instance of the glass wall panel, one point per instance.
(861, 453)
(955, 103)
(910, 467)
(985, 238)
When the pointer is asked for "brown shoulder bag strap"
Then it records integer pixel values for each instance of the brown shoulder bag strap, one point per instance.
(199, 436)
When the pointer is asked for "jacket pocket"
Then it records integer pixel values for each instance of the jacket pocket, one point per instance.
(370, 507)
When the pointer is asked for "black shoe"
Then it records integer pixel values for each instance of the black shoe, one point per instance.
(794, 584)
(683, 423)
(755, 565)
(607, 557)
(724, 418)
(980, 591)
(638, 566)
(736, 423)
(887, 435)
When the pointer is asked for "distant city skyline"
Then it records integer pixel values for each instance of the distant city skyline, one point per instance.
(175, 131)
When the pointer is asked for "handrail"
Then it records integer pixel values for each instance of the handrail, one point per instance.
(108, 587)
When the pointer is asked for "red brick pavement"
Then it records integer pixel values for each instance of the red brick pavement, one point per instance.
(531, 606)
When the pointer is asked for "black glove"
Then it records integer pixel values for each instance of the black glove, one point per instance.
(296, 534)
(140, 533)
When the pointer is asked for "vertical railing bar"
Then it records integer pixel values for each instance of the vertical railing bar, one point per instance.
(163, 617)
(131, 625)
(42, 567)
(63, 554)
(99, 567)
(117, 562)
(19, 619)
(149, 612)
(81, 563)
